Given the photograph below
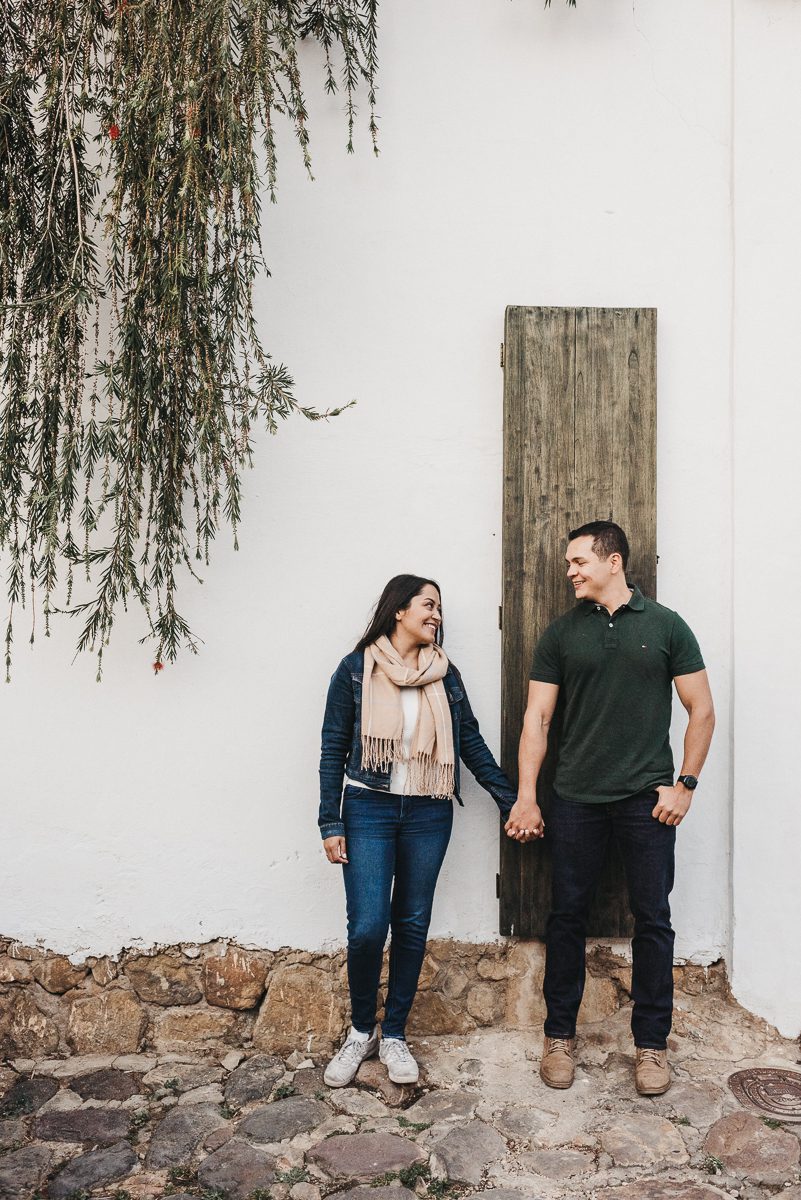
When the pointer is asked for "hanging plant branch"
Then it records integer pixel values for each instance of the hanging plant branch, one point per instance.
(129, 392)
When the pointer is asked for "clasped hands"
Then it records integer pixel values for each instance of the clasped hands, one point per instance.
(525, 823)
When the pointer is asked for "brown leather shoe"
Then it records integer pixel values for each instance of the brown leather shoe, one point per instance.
(556, 1065)
(652, 1073)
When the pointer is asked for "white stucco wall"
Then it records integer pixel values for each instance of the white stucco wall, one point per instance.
(529, 157)
(766, 956)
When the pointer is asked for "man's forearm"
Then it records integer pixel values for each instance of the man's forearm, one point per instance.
(533, 748)
(697, 739)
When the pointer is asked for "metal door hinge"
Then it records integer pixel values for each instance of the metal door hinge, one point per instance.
(500, 616)
(503, 364)
(497, 887)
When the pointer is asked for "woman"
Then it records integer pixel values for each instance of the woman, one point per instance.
(397, 720)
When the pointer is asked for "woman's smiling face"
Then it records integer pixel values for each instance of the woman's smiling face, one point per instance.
(423, 617)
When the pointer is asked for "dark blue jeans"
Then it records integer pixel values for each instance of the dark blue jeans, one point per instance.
(395, 846)
(579, 836)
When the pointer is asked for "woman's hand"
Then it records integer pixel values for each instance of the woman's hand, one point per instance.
(335, 849)
(525, 822)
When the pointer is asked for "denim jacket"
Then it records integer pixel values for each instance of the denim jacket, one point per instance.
(342, 745)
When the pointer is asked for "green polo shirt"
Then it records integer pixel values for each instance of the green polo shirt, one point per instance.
(615, 677)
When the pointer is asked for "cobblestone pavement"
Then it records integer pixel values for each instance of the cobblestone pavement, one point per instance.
(251, 1126)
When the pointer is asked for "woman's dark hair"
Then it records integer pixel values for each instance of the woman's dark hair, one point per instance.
(398, 594)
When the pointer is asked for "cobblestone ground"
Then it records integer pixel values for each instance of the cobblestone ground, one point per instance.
(248, 1127)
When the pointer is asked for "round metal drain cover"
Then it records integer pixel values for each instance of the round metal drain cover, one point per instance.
(772, 1090)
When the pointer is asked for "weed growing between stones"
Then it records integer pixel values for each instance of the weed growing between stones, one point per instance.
(408, 1177)
(293, 1176)
(182, 1177)
(227, 1111)
(712, 1165)
(680, 1120)
(771, 1123)
(140, 1118)
(415, 1126)
(172, 1085)
(283, 1091)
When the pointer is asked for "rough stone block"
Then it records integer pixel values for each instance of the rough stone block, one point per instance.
(177, 1136)
(94, 1169)
(486, 1003)
(235, 979)
(22, 1172)
(101, 1126)
(283, 1119)
(432, 1014)
(160, 979)
(525, 1007)
(27, 1096)
(25, 1029)
(303, 1011)
(107, 1085)
(463, 1155)
(748, 1147)
(253, 1080)
(364, 1156)
(112, 1022)
(177, 1029)
(57, 974)
(637, 1140)
(237, 1170)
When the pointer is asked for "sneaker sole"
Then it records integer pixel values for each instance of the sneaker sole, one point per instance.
(403, 1082)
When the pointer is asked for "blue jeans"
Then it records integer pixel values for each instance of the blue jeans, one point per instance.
(395, 846)
(579, 836)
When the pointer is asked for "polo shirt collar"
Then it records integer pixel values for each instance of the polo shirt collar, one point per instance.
(636, 602)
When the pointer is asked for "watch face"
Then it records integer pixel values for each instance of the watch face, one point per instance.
(689, 781)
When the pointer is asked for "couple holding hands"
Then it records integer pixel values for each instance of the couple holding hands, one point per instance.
(398, 721)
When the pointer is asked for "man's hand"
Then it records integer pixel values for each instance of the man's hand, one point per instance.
(525, 821)
(335, 850)
(673, 804)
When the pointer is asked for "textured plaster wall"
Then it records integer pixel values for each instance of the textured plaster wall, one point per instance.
(767, 575)
(528, 157)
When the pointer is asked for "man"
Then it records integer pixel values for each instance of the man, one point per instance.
(612, 658)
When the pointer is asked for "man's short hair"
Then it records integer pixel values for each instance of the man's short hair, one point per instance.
(607, 538)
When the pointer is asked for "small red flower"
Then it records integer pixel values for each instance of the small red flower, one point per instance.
(157, 666)
(113, 132)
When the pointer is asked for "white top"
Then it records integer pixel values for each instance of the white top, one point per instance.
(398, 780)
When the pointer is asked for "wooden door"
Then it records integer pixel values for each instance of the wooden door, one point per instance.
(579, 445)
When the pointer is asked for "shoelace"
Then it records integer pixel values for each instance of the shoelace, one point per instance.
(352, 1049)
(559, 1046)
(651, 1055)
(399, 1050)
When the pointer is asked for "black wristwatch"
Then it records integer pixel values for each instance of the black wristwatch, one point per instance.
(689, 781)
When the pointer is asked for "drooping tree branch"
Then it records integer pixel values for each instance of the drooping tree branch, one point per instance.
(136, 144)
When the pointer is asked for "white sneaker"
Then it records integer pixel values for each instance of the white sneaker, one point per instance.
(399, 1061)
(344, 1065)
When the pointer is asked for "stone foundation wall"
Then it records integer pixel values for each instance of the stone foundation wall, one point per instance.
(191, 998)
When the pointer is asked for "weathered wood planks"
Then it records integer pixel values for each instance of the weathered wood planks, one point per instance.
(579, 445)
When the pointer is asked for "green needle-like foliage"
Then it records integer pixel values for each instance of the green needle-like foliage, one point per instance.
(136, 144)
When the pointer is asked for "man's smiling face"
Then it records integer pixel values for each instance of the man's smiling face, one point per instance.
(589, 574)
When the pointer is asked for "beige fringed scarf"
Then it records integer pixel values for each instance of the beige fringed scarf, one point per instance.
(431, 763)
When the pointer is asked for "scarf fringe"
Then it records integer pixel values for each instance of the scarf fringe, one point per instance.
(427, 777)
(379, 754)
